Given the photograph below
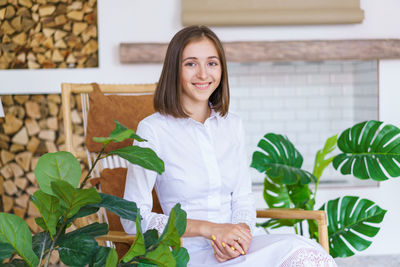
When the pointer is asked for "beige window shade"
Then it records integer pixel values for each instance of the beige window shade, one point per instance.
(270, 12)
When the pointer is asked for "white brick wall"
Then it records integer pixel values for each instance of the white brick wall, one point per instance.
(306, 101)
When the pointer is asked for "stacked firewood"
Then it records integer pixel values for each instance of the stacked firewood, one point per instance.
(32, 127)
(48, 34)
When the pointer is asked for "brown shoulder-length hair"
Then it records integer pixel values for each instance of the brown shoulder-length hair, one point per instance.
(167, 98)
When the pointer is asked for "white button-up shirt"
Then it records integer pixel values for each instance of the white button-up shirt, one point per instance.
(206, 171)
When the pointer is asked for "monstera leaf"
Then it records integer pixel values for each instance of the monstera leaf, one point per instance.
(369, 151)
(321, 162)
(350, 219)
(277, 196)
(281, 161)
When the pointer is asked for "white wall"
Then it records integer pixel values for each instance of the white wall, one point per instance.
(157, 21)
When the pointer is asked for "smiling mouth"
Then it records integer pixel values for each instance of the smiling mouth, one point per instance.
(202, 85)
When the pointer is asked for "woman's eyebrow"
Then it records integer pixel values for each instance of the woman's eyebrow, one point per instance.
(211, 57)
(189, 58)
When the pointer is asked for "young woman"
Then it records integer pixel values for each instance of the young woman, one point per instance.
(206, 170)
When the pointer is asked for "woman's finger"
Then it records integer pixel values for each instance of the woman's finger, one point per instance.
(218, 253)
(243, 238)
(235, 246)
(245, 232)
(244, 244)
(232, 251)
(220, 245)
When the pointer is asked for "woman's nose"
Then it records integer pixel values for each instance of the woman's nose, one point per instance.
(202, 72)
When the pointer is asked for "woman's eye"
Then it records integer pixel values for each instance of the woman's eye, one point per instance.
(189, 64)
(213, 64)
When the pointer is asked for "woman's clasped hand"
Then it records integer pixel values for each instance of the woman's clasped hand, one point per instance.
(230, 240)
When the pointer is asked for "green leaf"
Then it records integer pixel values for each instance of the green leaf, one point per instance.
(281, 160)
(142, 156)
(78, 250)
(369, 151)
(138, 248)
(39, 240)
(299, 195)
(40, 222)
(6, 250)
(350, 219)
(59, 166)
(175, 227)
(321, 162)
(313, 229)
(119, 134)
(162, 256)
(123, 208)
(100, 257)
(49, 208)
(93, 230)
(150, 237)
(181, 256)
(145, 264)
(112, 258)
(73, 199)
(14, 231)
(276, 195)
(83, 212)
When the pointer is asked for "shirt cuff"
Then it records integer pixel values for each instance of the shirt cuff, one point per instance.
(158, 222)
(245, 216)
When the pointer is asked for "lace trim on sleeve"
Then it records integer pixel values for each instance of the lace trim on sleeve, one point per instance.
(245, 216)
(158, 222)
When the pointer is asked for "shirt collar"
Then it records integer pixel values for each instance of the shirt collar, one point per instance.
(213, 115)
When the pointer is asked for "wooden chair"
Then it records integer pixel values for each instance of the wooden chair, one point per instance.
(115, 234)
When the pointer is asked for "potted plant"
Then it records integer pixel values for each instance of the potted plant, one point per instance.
(60, 200)
(369, 150)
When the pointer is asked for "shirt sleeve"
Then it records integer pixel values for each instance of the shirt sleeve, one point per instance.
(243, 205)
(139, 185)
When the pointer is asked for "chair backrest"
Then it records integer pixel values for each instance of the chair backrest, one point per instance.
(128, 103)
(67, 89)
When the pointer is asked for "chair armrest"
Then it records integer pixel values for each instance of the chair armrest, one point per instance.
(318, 215)
(292, 214)
(117, 236)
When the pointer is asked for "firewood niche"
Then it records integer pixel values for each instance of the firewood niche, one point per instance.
(32, 127)
(48, 34)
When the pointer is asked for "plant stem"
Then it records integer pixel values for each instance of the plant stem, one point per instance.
(55, 240)
(301, 228)
(92, 168)
(316, 188)
(42, 253)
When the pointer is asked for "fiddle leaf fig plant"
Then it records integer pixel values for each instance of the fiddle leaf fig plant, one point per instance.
(61, 199)
(369, 150)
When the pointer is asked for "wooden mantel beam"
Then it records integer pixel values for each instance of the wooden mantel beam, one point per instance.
(137, 53)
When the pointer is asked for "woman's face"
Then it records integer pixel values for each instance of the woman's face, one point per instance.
(200, 72)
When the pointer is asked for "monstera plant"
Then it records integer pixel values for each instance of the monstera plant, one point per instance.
(369, 150)
(61, 200)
